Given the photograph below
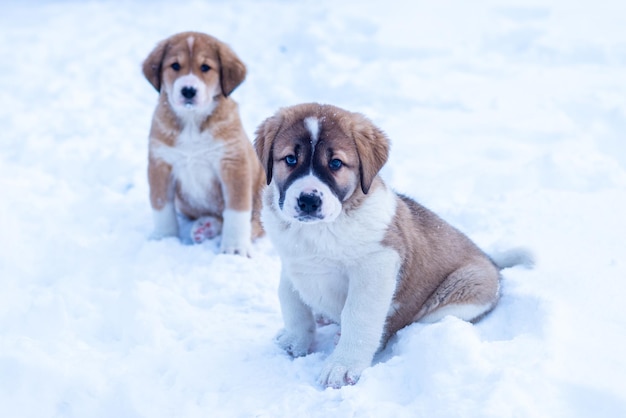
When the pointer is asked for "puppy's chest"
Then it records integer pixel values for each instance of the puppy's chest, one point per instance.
(342, 243)
(319, 263)
(195, 159)
(321, 283)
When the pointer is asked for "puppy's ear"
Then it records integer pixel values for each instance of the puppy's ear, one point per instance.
(153, 64)
(264, 142)
(372, 145)
(232, 70)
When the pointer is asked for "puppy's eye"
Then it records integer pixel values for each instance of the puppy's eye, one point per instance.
(204, 68)
(291, 160)
(335, 164)
(175, 66)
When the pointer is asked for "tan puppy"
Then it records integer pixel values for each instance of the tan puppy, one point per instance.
(201, 163)
(352, 249)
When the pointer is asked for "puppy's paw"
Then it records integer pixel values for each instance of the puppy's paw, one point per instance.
(296, 344)
(236, 236)
(336, 374)
(165, 222)
(322, 320)
(236, 249)
(205, 228)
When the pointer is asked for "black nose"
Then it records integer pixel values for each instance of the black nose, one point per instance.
(309, 203)
(188, 92)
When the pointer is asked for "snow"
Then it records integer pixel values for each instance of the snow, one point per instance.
(507, 118)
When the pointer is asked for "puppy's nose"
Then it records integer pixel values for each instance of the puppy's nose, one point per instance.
(309, 203)
(188, 92)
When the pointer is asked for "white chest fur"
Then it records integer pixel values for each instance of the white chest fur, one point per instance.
(320, 259)
(195, 161)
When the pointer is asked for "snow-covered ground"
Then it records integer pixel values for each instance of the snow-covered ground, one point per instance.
(508, 118)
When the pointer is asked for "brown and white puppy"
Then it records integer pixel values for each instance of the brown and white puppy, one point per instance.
(200, 161)
(353, 250)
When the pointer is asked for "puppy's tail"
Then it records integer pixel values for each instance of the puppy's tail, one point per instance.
(513, 257)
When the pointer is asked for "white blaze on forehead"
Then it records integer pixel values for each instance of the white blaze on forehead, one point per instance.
(313, 125)
(190, 44)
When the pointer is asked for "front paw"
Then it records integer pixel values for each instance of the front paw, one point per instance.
(336, 374)
(165, 222)
(236, 249)
(296, 344)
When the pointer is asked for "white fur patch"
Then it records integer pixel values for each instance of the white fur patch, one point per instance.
(200, 106)
(165, 222)
(313, 125)
(348, 235)
(236, 232)
(195, 161)
(317, 257)
(190, 41)
(466, 312)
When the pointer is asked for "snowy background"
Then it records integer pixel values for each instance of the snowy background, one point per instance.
(508, 118)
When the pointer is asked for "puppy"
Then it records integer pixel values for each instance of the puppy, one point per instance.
(201, 164)
(353, 250)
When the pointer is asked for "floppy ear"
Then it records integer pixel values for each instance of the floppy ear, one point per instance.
(264, 142)
(232, 70)
(153, 64)
(372, 146)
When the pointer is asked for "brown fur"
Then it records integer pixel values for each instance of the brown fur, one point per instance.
(441, 266)
(371, 144)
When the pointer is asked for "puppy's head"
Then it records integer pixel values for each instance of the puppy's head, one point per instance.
(318, 158)
(193, 69)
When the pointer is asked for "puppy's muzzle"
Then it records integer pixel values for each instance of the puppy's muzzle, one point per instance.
(188, 93)
(309, 205)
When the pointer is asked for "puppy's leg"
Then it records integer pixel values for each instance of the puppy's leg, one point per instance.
(257, 226)
(237, 191)
(297, 336)
(236, 232)
(370, 291)
(162, 199)
(467, 293)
